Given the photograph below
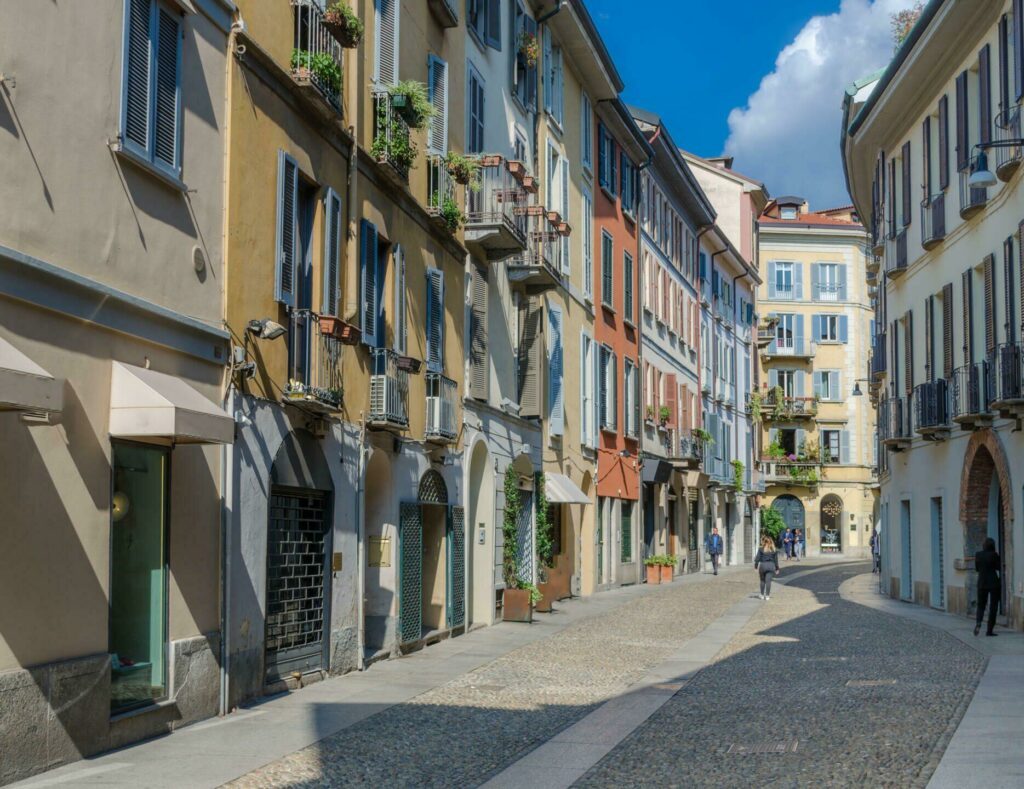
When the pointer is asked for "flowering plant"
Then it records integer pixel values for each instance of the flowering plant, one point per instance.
(529, 48)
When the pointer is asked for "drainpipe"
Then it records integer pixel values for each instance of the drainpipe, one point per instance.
(227, 469)
(542, 19)
(352, 310)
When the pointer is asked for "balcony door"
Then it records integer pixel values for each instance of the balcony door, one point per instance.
(303, 323)
(784, 334)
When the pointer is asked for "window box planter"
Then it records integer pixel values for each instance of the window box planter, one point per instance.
(345, 28)
(563, 228)
(331, 326)
(544, 604)
(518, 169)
(554, 217)
(490, 160)
(515, 606)
(530, 210)
(653, 573)
(530, 184)
(409, 365)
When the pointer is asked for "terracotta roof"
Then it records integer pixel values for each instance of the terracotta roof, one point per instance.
(850, 207)
(811, 218)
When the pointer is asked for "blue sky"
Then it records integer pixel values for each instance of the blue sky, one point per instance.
(761, 81)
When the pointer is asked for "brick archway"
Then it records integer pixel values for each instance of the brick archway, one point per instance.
(984, 456)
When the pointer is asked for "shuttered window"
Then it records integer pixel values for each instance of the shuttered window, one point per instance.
(437, 95)
(607, 389)
(553, 78)
(475, 98)
(908, 351)
(287, 228)
(670, 382)
(929, 338)
(556, 394)
(989, 275)
(607, 271)
(962, 135)
(563, 196)
(588, 244)
(588, 404)
(1004, 63)
(1018, 49)
(630, 411)
(985, 94)
(370, 284)
(332, 253)
(944, 142)
(385, 42)
(586, 133)
(1020, 269)
(483, 18)
(479, 364)
(967, 280)
(926, 155)
(906, 191)
(529, 356)
(947, 330)
(151, 83)
(435, 320)
(401, 291)
(1009, 325)
(524, 75)
(627, 288)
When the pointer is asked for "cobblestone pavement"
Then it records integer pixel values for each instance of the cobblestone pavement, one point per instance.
(869, 699)
(464, 732)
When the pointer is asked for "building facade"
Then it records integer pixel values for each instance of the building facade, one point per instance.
(113, 362)
(947, 356)
(818, 448)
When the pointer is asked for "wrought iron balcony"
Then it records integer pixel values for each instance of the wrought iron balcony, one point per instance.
(691, 450)
(317, 55)
(442, 195)
(496, 219)
(931, 410)
(1006, 378)
(969, 400)
(878, 231)
(536, 268)
(800, 473)
(392, 144)
(972, 199)
(791, 348)
(1007, 128)
(826, 291)
(894, 423)
(389, 390)
(878, 351)
(314, 353)
(787, 409)
(442, 397)
(766, 332)
(933, 220)
(896, 253)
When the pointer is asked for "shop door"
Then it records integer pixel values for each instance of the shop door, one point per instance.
(671, 529)
(296, 579)
(693, 540)
(649, 508)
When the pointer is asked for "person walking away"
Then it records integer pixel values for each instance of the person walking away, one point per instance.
(875, 562)
(986, 565)
(715, 548)
(798, 540)
(787, 543)
(767, 564)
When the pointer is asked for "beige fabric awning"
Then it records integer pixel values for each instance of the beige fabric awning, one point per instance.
(147, 404)
(562, 490)
(24, 385)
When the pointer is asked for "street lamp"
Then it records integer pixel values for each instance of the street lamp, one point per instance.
(856, 387)
(981, 177)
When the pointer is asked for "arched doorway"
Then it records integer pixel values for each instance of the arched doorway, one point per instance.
(831, 524)
(791, 509)
(480, 572)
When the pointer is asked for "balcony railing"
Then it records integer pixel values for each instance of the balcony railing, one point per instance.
(969, 395)
(389, 390)
(691, 450)
(972, 200)
(442, 396)
(496, 216)
(827, 291)
(799, 348)
(896, 253)
(1007, 127)
(878, 351)
(316, 55)
(766, 332)
(804, 473)
(786, 408)
(391, 136)
(442, 200)
(314, 379)
(933, 220)
(536, 267)
(1005, 377)
(931, 409)
(894, 423)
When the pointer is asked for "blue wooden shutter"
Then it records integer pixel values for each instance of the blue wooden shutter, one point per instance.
(136, 73)
(613, 167)
(842, 282)
(816, 327)
(602, 157)
(332, 253)
(287, 228)
(844, 446)
(815, 282)
(834, 385)
(798, 383)
(556, 395)
(492, 33)
(844, 329)
(816, 377)
(437, 95)
(771, 279)
(798, 333)
(549, 70)
(798, 280)
(386, 41)
(167, 103)
(773, 378)
(435, 320)
(368, 262)
(401, 321)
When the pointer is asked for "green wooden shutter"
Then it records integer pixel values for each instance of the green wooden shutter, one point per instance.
(908, 352)
(962, 135)
(929, 307)
(627, 287)
(369, 288)
(906, 184)
(988, 268)
(332, 253)
(435, 320)
(287, 228)
(607, 282)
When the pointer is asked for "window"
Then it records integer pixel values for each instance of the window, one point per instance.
(784, 335)
(788, 212)
(564, 210)
(631, 395)
(607, 274)
(151, 84)
(588, 406)
(627, 288)
(554, 89)
(827, 385)
(287, 229)
(588, 245)
(401, 327)
(607, 384)
(483, 18)
(371, 285)
(830, 328)
(385, 42)
(835, 446)
(606, 164)
(586, 133)
(628, 186)
(784, 280)
(786, 380)
(479, 369)
(437, 95)
(475, 115)
(829, 281)
(435, 320)
(524, 75)
(138, 576)
(556, 399)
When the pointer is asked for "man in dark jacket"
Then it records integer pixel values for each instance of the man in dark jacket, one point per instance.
(715, 548)
(987, 566)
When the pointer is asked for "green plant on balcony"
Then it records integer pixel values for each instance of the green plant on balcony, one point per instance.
(703, 435)
(320, 65)
(392, 142)
(803, 475)
(737, 474)
(529, 48)
(755, 407)
(343, 23)
(776, 451)
(780, 408)
(649, 413)
(663, 414)
(411, 100)
(464, 169)
(809, 451)
(451, 214)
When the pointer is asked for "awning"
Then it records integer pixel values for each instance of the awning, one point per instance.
(562, 490)
(147, 404)
(655, 472)
(24, 385)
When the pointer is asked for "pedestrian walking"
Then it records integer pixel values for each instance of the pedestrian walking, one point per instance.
(798, 544)
(787, 543)
(714, 548)
(986, 565)
(876, 565)
(767, 564)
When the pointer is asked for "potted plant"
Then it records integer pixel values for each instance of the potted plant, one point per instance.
(343, 24)
(649, 415)
(410, 99)
(663, 414)
(518, 597)
(348, 333)
(395, 148)
(668, 567)
(451, 214)
(529, 48)
(653, 569)
(464, 169)
(330, 326)
(703, 435)
(517, 603)
(409, 365)
(306, 64)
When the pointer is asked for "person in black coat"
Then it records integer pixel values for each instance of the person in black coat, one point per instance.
(767, 564)
(987, 565)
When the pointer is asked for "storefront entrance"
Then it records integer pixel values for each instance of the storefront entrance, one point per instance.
(831, 524)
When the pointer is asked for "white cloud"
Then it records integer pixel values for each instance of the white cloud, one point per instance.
(788, 134)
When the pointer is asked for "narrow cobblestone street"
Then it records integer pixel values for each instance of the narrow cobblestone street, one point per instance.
(851, 695)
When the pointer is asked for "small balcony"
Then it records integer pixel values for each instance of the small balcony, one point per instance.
(781, 408)
(536, 268)
(445, 12)
(877, 248)
(1005, 379)
(873, 262)
(314, 381)
(826, 291)
(931, 410)
(389, 391)
(790, 348)
(1008, 159)
(969, 400)
(442, 397)
(691, 451)
(894, 423)
(933, 220)
(316, 56)
(719, 472)
(392, 140)
(496, 219)
(766, 332)
(896, 253)
(442, 194)
(878, 350)
(792, 473)
(972, 200)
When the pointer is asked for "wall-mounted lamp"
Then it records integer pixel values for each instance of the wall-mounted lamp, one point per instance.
(981, 177)
(265, 329)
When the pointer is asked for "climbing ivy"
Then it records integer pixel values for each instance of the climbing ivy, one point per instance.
(510, 530)
(545, 528)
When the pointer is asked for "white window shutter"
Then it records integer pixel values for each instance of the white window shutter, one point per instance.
(287, 228)
(331, 269)
(386, 41)
(588, 246)
(435, 320)
(136, 73)
(437, 87)
(167, 101)
(401, 320)
(556, 423)
(564, 195)
(370, 286)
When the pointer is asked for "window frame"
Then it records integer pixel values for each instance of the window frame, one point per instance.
(473, 75)
(607, 293)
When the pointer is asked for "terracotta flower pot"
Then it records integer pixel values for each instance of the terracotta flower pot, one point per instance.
(518, 169)
(349, 334)
(544, 605)
(554, 217)
(330, 326)
(515, 606)
(491, 160)
(653, 573)
(409, 365)
(530, 184)
(666, 573)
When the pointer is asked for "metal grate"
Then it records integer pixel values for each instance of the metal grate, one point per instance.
(295, 583)
(457, 571)
(410, 568)
(432, 489)
(524, 537)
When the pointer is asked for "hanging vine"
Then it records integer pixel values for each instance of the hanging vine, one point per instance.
(510, 530)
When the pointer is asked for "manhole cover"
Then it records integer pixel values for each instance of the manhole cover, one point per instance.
(783, 746)
(869, 683)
